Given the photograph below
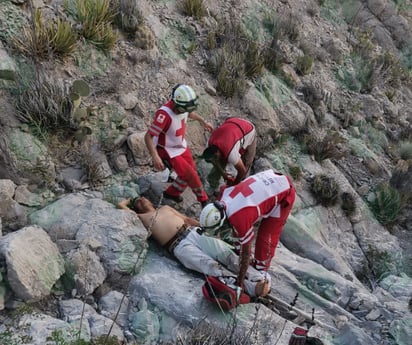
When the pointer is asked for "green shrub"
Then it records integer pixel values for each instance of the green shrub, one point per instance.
(105, 38)
(272, 57)
(289, 25)
(34, 41)
(295, 171)
(405, 150)
(63, 37)
(144, 37)
(381, 263)
(270, 22)
(331, 146)
(95, 17)
(358, 74)
(193, 8)
(230, 74)
(315, 95)
(128, 16)
(45, 105)
(304, 64)
(228, 67)
(253, 58)
(377, 264)
(348, 203)
(325, 189)
(235, 57)
(386, 204)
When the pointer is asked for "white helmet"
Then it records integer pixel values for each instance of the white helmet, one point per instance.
(185, 97)
(212, 216)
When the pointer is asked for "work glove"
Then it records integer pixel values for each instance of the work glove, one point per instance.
(298, 336)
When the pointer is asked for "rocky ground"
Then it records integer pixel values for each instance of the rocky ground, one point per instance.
(58, 191)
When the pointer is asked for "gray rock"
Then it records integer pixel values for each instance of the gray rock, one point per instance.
(40, 329)
(352, 335)
(138, 148)
(24, 197)
(33, 262)
(116, 236)
(8, 68)
(89, 272)
(401, 331)
(115, 305)
(182, 292)
(100, 326)
(7, 188)
(128, 100)
(144, 324)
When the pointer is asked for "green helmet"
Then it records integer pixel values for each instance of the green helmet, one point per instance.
(212, 216)
(184, 97)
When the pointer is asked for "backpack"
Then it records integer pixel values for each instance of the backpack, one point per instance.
(218, 292)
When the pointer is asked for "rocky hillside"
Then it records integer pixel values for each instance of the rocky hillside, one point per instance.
(328, 86)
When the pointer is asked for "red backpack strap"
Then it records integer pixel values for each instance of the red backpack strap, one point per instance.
(298, 336)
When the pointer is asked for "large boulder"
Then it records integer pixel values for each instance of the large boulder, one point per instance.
(116, 236)
(33, 262)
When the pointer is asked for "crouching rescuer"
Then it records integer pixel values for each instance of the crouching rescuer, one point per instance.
(265, 196)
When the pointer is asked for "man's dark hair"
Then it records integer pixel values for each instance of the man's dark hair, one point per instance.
(132, 203)
(209, 153)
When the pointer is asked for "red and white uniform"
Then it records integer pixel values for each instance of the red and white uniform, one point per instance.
(168, 130)
(264, 195)
(232, 138)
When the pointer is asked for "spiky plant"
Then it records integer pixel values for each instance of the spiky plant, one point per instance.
(105, 38)
(34, 41)
(128, 15)
(254, 59)
(331, 146)
(289, 24)
(193, 8)
(386, 204)
(348, 203)
(271, 56)
(405, 151)
(304, 64)
(95, 17)
(236, 57)
(295, 171)
(46, 104)
(63, 37)
(230, 72)
(325, 189)
(144, 37)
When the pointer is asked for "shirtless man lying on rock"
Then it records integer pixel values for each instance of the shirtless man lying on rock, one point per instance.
(182, 237)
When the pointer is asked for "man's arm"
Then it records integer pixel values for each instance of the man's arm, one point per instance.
(241, 171)
(123, 205)
(197, 117)
(157, 161)
(244, 261)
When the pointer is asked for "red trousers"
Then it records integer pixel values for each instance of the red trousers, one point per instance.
(186, 172)
(270, 229)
